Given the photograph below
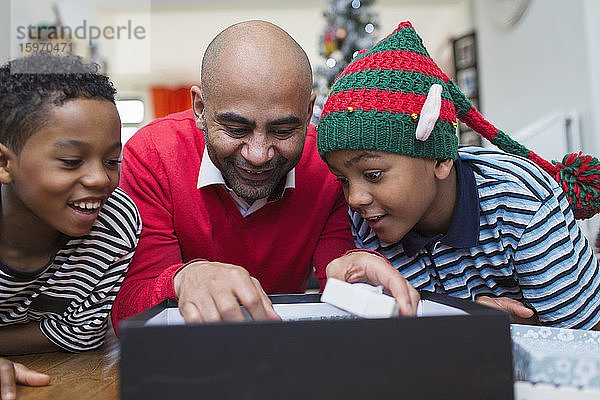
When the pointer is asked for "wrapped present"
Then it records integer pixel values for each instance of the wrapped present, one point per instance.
(556, 356)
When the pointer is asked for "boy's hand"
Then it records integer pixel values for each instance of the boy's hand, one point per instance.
(212, 291)
(362, 266)
(519, 314)
(13, 373)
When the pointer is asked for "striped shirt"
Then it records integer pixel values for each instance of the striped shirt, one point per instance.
(72, 295)
(521, 241)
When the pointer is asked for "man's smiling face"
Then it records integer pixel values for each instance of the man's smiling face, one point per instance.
(255, 115)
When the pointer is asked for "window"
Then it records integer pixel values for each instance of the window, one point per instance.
(131, 112)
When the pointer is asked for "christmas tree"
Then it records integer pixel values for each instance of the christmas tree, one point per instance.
(350, 28)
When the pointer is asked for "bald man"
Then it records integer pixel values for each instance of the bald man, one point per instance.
(234, 198)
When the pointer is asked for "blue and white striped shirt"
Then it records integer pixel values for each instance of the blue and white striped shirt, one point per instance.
(521, 241)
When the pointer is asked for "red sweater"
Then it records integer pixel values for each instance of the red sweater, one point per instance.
(278, 244)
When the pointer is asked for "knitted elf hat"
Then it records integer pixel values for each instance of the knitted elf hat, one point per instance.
(394, 98)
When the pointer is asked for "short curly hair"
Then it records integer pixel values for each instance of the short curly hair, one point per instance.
(31, 86)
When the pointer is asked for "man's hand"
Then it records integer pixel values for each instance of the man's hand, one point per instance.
(519, 314)
(212, 291)
(13, 373)
(361, 266)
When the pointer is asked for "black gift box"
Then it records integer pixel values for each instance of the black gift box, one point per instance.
(439, 357)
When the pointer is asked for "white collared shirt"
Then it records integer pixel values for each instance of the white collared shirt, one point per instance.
(209, 174)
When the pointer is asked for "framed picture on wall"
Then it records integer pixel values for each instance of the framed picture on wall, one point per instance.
(464, 51)
(467, 79)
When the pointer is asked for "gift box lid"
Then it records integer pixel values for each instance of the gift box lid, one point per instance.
(466, 356)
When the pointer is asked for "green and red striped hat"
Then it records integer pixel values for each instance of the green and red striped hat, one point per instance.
(394, 98)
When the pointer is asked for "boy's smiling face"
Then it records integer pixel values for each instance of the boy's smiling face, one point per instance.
(66, 170)
(395, 193)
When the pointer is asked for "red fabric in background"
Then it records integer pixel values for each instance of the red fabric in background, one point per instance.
(168, 100)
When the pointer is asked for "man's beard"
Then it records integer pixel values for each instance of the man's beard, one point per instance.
(248, 190)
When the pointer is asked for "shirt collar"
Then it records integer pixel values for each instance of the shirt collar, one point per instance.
(464, 228)
(209, 174)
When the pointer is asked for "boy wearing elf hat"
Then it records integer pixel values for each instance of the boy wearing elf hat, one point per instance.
(475, 223)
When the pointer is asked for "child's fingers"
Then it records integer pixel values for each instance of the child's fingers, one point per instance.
(395, 284)
(380, 272)
(520, 310)
(8, 388)
(512, 306)
(370, 268)
(30, 377)
(357, 266)
(415, 298)
(405, 294)
(491, 302)
(340, 268)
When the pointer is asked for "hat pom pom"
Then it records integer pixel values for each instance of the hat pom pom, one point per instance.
(579, 176)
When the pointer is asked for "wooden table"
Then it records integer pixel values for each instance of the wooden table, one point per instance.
(89, 375)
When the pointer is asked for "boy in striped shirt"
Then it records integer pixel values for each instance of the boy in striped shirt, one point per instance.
(67, 233)
(475, 223)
